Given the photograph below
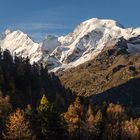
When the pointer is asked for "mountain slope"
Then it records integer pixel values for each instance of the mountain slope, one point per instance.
(112, 77)
(87, 41)
(19, 43)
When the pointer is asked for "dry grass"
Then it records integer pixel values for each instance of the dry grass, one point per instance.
(111, 68)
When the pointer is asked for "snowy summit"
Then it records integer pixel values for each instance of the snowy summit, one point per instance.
(86, 41)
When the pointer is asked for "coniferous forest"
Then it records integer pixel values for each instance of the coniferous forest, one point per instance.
(34, 105)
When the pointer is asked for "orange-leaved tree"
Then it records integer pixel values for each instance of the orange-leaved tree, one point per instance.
(17, 126)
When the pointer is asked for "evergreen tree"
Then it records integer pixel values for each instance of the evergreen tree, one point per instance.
(50, 120)
(32, 116)
(23, 82)
(5, 106)
(5, 109)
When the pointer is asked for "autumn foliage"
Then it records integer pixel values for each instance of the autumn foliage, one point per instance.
(17, 126)
(34, 105)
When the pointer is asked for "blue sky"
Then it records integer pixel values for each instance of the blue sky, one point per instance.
(59, 17)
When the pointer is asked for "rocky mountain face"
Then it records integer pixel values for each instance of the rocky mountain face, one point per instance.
(88, 40)
(99, 60)
(113, 76)
(85, 43)
(21, 44)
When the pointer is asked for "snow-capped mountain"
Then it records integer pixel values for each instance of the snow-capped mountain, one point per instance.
(86, 41)
(19, 43)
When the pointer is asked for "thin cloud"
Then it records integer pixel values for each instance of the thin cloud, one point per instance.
(37, 31)
(37, 36)
(41, 26)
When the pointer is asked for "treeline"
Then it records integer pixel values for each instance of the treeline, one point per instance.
(26, 83)
(35, 106)
(41, 122)
(23, 84)
(80, 122)
(107, 122)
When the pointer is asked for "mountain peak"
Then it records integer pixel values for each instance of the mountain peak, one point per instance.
(86, 42)
(102, 22)
(7, 31)
(19, 43)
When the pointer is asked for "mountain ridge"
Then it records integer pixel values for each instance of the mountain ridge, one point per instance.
(86, 42)
(112, 68)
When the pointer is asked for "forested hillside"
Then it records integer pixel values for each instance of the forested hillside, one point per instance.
(26, 83)
(34, 105)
